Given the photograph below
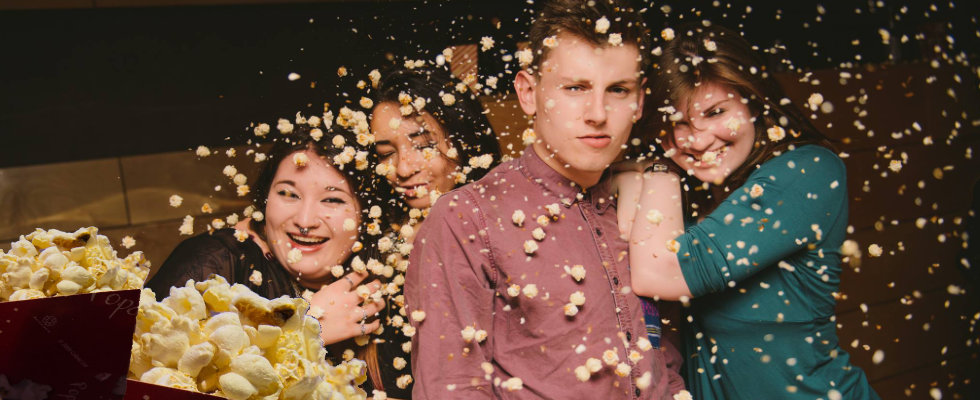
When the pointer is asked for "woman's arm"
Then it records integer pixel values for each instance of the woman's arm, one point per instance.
(657, 221)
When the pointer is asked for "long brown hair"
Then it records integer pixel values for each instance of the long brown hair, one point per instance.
(705, 53)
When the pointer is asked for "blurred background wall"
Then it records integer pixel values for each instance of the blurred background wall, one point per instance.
(104, 102)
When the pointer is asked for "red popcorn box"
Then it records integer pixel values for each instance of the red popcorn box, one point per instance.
(77, 345)
(136, 390)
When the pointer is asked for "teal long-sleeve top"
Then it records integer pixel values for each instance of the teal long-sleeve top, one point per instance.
(763, 269)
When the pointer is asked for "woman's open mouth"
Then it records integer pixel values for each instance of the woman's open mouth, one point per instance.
(306, 243)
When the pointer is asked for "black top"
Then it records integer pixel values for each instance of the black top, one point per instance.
(220, 253)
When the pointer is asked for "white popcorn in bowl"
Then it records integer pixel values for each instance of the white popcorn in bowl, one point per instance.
(242, 346)
(56, 263)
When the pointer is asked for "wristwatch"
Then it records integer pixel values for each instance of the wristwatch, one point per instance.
(657, 167)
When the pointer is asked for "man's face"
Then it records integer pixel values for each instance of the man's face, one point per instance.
(585, 100)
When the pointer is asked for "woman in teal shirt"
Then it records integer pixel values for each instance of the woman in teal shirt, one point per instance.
(766, 202)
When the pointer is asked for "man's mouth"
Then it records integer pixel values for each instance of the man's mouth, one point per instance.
(597, 141)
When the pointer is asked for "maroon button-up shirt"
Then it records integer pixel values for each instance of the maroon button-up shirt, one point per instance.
(468, 256)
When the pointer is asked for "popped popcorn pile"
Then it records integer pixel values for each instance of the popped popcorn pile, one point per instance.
(55, 263)
(225, 340)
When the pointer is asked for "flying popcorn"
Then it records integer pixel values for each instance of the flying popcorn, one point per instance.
(366, 102)
(176, 201)
(237, 344)
(530, 290)
(448, 99)
(512, 384)
(528, 137)
(525, 57)
(615, 39)
(486, 43)
(815, 100)
(55, 263)
(776, 133)
(300, 159)
(530, 247)
(293, 76)
(294, 256)
(284, 126)
(655, 217)
(518, 217)
(710, 45)
(187, 226)
(756, 191)
(602, 25)
(578, 272)
(261, 130)
(538, 234)
(203, 151)
(874, 250)
(667, 34)
(550, 42)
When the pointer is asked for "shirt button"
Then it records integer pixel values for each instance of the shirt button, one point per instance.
(629, 336)
(598, 206)
(616, 280)
(598, 232)
(637, 392)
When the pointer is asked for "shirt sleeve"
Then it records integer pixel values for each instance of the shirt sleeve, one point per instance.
(450, 279)
(784, 207)
(196, 258)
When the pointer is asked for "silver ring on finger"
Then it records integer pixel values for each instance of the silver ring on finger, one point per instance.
(349, 281)
(363, 332)
(364, 315)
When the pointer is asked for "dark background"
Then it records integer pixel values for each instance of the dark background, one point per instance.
(88, 83)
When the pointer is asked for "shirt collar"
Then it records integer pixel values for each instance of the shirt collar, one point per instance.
(568, 192)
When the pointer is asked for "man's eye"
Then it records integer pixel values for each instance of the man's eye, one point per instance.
(574, 88)
(619, 90)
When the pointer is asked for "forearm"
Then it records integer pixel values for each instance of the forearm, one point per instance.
(659, 220)
(628, 186)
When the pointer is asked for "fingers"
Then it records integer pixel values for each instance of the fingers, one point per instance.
(367, 328)
(348, 282)
(373, 307)
(356, 278)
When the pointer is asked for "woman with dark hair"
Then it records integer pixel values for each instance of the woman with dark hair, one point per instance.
(308, 238)
(759, 260)
(431, 136)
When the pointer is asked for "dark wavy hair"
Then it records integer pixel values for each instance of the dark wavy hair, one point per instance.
(464, 122)
(686, 64)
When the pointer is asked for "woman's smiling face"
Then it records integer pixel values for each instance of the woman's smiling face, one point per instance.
(715, 135)
(415, 148)
(307, 209)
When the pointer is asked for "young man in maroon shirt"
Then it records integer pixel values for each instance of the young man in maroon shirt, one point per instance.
(518, 284)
